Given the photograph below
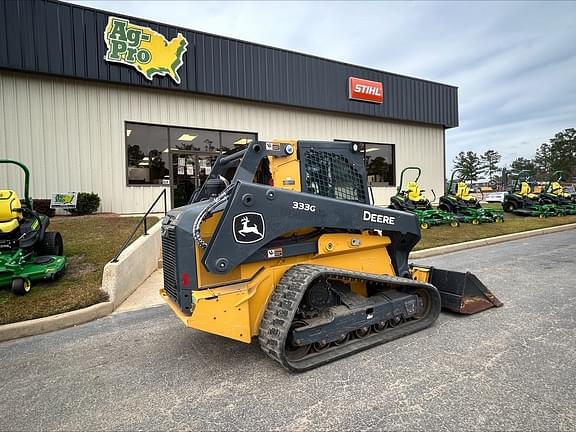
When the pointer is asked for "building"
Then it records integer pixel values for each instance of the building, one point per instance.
(98, 102)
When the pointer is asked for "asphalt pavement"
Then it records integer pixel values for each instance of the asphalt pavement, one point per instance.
(508, 368)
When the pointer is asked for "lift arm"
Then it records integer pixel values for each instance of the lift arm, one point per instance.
(266, 213)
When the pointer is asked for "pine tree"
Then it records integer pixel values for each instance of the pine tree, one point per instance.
(469, 165)
(557, 155)
(490, 160)
(522, 164)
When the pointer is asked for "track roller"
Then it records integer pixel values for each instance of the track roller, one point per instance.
(396, 307)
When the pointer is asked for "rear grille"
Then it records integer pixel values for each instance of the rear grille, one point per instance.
(169, 262)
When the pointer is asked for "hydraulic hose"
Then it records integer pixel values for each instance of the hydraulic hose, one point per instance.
(205, 213)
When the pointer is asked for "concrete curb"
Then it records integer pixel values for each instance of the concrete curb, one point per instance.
(100, 310)
(441, 250)
(55, 322)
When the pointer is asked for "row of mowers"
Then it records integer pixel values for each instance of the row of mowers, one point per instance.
(28, 251)
(552, 201)
(456, 205)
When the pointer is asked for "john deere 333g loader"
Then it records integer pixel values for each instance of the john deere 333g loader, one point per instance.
(281, 243)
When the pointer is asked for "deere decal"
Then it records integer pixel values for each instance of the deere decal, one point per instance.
(141, 47)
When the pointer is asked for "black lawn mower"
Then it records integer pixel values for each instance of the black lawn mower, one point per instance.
(412, 200)
(464, 206)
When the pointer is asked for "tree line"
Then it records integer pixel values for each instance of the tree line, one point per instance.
(558, 154)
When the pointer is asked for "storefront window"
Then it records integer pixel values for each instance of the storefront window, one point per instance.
(232, 141)
(195, 140)
(175, 156)
(379, 160)
(147, 154)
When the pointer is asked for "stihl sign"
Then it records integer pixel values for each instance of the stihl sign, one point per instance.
(364, 90)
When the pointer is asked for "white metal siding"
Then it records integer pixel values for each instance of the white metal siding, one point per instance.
(71, 134)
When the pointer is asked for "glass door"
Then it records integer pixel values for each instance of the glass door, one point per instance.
(189, 172)
(184, 178)
(205, 162)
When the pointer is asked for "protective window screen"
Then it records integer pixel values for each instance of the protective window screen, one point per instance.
(333, 175)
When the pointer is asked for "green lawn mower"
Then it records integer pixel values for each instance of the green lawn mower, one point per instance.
(521, 201)
(554, 195)
(412, 200)
(28, 252)
(465, 207)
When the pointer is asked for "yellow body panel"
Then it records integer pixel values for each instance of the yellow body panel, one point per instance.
(286, 170)
(421, 274)
(234, 309)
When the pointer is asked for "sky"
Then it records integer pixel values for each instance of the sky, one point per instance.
(513, 62)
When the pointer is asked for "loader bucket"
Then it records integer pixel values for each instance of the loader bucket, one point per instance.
(461, 292)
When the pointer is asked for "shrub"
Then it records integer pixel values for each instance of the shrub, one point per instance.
(43, 206)
(87, 203)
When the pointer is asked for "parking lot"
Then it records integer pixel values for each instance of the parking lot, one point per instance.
(506, 368)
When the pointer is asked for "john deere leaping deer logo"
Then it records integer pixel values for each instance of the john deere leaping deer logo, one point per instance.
(249, 227)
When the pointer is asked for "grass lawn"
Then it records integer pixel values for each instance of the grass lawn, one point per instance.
(441, 235)
(89, 243)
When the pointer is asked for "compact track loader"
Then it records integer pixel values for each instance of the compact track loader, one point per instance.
(464, 206)
(281, 243)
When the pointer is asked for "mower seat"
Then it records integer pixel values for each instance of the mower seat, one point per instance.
(526, 191)
(414, 193)
(9, 217)
(558, 190)
(463, 193)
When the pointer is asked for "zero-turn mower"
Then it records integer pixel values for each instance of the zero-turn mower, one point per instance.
(281, 243)
(464, 206)
(554, 194)
(28, 252)
(523, 202)
(412, 200)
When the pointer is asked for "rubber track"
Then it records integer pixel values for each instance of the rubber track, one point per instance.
(284, 302)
